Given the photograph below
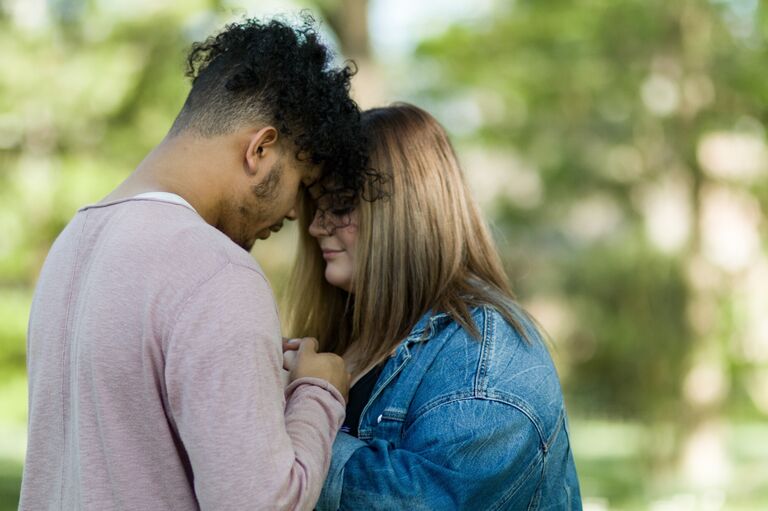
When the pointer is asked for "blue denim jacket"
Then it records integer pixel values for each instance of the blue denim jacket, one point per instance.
(459, 423)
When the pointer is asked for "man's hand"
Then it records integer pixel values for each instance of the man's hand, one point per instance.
(290, 349)
(307, 362)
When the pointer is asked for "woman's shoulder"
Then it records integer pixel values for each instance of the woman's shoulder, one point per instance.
(502, 340)
(509, 362)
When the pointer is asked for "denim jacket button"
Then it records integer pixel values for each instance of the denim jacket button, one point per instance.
(378, 419)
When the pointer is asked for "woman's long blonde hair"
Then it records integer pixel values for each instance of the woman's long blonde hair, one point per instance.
(423, 247)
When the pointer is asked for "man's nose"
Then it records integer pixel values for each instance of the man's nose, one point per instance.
(292, 214)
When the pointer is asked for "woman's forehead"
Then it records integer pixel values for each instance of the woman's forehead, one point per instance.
(325, 196)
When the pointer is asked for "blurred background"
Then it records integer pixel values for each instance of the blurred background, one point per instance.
(618, 148)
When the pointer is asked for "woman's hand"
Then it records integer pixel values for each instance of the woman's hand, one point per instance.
(301, 358)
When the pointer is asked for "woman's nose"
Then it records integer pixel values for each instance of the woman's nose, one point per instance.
(317, 227)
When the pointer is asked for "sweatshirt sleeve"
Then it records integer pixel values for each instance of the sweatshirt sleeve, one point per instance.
(249, 448)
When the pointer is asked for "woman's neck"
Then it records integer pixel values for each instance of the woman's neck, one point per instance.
(353, 357)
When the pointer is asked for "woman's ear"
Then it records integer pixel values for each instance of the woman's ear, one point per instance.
(261, 152)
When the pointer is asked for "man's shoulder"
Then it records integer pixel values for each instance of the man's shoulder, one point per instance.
(201, 244)
(179, 234)
(162, 244)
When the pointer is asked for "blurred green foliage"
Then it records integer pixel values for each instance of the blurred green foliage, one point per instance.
(611, 104)
(604, 102)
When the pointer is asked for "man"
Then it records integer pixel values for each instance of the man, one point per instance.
(154, 351)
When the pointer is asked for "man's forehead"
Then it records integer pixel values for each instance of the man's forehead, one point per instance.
(313, 172)
(309, 177)
(315, 190)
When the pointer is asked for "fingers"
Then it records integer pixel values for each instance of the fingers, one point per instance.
(292, 349)
(308, 343)
(289, 360)
(291, 344)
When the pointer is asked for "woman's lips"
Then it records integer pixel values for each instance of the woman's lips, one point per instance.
(330, 254)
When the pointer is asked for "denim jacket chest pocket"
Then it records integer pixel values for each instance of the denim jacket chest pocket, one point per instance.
(387, 425)
(382, 417)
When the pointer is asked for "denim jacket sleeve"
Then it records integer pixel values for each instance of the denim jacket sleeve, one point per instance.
(465, 452)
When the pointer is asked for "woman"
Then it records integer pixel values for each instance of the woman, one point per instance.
(455, 402)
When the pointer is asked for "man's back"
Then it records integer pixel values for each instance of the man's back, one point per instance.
(154, 353)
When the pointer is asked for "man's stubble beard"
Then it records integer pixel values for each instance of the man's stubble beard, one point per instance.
(265, 194)
(266, 191)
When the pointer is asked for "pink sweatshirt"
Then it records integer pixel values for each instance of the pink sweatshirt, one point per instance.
(154, 358)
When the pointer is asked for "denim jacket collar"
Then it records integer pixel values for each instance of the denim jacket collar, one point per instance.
(424, 329)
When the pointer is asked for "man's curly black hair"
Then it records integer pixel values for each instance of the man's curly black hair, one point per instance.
(281, 74)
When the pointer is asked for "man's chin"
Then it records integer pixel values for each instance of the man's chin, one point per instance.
(261, 235)
(247, 245)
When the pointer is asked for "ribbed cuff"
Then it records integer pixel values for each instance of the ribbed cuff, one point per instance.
(317, 382)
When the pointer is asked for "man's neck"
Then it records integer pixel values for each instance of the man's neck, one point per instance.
(179, 165)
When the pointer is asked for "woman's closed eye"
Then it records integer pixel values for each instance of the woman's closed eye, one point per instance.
(340, 212)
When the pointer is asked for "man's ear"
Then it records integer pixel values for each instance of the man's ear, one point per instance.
(262, 151)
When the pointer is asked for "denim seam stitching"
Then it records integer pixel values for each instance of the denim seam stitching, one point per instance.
(556, 431)
(365, 432)
(534, 503)
(524, 407)
(464, 396)
(520, 480)
(418, 335)
(395, 414)
(502, 397)
(480, 383)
